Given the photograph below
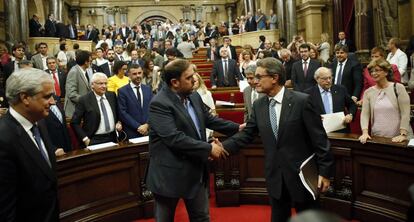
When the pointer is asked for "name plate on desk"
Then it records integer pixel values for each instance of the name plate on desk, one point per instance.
(101, 146)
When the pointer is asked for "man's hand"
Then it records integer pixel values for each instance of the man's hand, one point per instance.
(87, 142)
(217, 150)
(323, 183)
(354, 99)
(59, 152)
(143, 129)
(118, 126)
(348, 118)
(241, 126)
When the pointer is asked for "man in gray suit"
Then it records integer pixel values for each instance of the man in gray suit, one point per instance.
(39, 60)
(77, 82)
(291, 131)
(250, 93)
(178, 146)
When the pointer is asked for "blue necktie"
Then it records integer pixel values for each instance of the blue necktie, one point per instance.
(339, 77)
(55, 110)
(38, 139)
(192, 114)
(273, 116)
(105, 115)
(325, 99)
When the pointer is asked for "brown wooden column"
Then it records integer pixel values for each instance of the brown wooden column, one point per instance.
(363, 29)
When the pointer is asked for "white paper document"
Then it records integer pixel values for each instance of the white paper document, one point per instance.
(411, 143)
(333, 121)
(140, 140)
(243, 84)
(224, 103)
(309, 176)
(101, 146)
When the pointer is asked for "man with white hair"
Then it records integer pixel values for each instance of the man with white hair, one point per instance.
(98, 110)
(329, 98)
(27, 157)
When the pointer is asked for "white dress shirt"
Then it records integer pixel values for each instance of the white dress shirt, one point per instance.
(135, 91)
(338, 67)
(101, 128)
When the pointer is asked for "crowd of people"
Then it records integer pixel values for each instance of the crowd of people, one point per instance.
(107, 92)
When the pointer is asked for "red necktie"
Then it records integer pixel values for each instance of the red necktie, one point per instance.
(57, 88)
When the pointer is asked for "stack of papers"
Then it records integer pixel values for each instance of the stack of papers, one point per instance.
(140, 140)
(411, 143)
(224, 103)
(333, 121)
(101, 146)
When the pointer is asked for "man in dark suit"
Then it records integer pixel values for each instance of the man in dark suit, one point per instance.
(212, 51)
(250, 25)
(225, 72)
(92, 34)
(124, 31)
(329, 98)
(231, 50)
(346, 42)
(28, 182)
(291, 131)
(179, 150)
(62, 30)
(287, 61)
(18, 55)
(303, 70)
(73, 31)
(133, 101)
(57, 128)
(98, 113)
(35, 27)
(107, 67)
(58, 76)
(347, 72)
(50, 26)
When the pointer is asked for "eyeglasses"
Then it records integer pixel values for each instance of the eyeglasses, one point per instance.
(259, 77)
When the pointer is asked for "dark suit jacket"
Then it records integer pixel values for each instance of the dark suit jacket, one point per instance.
(127, 32)
(250, 25)
(28, 185)
(131, 114)
(58, 132)
(62, 81)
(105, 69)
(351, 76)
(232, 50)
(299, 81)
(216, 53)
(217, 77)
(75, 31)
(93, 36)
(62, 30)
(8, 69)
(341, 101)
(34, 28)
(50, 28)
(288, 68)
(87, 110)
(178, 156)
(350, 44)
(284, 154)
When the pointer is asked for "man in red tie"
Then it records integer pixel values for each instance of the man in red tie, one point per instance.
(58, 76)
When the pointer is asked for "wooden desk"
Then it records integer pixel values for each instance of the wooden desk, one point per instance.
(104, 185)
(371, 181)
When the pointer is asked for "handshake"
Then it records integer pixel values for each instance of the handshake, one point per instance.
(217, 150)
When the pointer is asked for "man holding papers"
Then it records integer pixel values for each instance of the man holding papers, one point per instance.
(99, 112)
(291, 131)
(331, 100)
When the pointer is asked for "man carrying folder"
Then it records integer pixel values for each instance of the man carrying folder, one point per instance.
(291, 132)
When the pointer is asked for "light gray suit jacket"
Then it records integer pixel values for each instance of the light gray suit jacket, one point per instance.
(76, 86)
(247, 97)
(37, 61)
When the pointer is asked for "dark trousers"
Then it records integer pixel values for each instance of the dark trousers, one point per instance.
(281, 208)
(197, 208)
